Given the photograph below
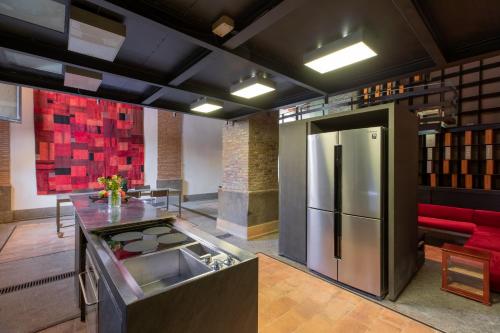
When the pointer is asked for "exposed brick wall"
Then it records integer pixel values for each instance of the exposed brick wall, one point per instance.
(169, 145)
(250, 153)
(263, 152)
(235, 147)
(4, 153)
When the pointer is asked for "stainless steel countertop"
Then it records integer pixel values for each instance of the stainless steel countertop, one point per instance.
(97, 216)
(94, 218)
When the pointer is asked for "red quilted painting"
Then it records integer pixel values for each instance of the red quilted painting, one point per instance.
(79, 139)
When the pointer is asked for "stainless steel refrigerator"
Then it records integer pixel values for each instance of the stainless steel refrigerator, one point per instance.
(346, 207)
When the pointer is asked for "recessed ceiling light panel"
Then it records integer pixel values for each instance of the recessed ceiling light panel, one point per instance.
(94, 35)
(223, 26)
(341, 53)
(28, 61)
(82, 79)
(46, 13)
(253, 87)
(206, 105)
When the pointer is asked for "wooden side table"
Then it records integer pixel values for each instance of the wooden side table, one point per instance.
(466, 272)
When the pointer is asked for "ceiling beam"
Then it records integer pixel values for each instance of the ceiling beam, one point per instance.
(422, 31)
(262, 23)
(46, 83)
(202, 60)
(141, 10)
(43, 50)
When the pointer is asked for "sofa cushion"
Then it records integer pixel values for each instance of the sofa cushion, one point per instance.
(446, 212)
(456, 226)
(487, 218)
(485, 238)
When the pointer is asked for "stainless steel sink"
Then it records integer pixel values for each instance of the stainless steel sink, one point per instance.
(161, 270)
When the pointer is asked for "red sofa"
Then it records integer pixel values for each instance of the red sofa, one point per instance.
(483, 226)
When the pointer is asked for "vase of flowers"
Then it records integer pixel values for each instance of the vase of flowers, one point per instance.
(112, 189)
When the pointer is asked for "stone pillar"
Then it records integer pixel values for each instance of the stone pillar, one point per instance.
(169, 149)
(5, 187)
(248, 198)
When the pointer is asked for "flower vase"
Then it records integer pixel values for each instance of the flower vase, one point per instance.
(114, 199)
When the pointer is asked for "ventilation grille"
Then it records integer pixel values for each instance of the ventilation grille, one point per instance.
(36, 283)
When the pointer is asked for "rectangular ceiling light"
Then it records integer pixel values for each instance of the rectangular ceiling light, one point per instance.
(341, 53)
(94, 35)
(82, 79)
(46, 13)
(253, 87)
(206, 105)
(28, 61)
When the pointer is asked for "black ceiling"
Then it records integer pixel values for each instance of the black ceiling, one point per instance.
(170, 57)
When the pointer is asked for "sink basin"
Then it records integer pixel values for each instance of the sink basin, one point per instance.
(201, 250)
(158, 271)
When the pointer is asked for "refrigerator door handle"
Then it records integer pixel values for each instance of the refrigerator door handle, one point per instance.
(337, 205)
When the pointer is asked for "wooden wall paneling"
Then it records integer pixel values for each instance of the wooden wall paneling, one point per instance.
(487, 182)
(468, 182)
(464, 167)
(446, 167)
(490, 167)
(433, 180)
(454, 180)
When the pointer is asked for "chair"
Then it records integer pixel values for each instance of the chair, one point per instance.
(134, 194)
(160, 194)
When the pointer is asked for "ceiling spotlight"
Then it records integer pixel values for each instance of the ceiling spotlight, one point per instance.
(223, 26)
(206, 105)
(252, 87)
(338, 54)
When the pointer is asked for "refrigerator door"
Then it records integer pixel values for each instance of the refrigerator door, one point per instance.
(362, 171)
(321, 242)
(320, 163)
(360, 266)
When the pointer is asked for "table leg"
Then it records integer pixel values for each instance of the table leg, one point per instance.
(180, 202)
(58, 219)
(168, 199)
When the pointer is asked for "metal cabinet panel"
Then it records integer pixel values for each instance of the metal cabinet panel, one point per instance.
(361, 249)
(320, 164)
(292, 185)
(321, 242)
(362, 171)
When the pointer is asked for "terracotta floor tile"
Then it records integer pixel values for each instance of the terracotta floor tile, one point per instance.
(287, 323)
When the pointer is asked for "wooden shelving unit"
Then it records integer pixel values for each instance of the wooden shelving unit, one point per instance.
(466, 158)
(466, 272)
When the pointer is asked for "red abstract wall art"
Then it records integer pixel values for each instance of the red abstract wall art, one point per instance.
(79, 139)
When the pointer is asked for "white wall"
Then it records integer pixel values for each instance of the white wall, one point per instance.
(201, 154)
(22, 159)
(150, 146)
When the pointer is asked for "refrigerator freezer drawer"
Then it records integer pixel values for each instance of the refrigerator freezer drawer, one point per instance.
(360, 265)
(321, 242)
(320, 163)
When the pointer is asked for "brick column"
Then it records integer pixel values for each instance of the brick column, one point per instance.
(5, 188)
(248, 199)
(169, 149)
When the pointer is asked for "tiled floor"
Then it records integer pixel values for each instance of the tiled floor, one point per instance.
(36, 239)
(290, 299)
(293, 301)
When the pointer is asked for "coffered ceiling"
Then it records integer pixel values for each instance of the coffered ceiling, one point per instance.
(170, 57)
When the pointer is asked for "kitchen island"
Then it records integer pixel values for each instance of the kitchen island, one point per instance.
(139, 269)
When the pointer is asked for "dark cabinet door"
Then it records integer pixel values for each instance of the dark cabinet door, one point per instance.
(110, 318)
(292, 185)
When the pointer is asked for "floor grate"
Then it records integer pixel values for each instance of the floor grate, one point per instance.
(36, 283)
